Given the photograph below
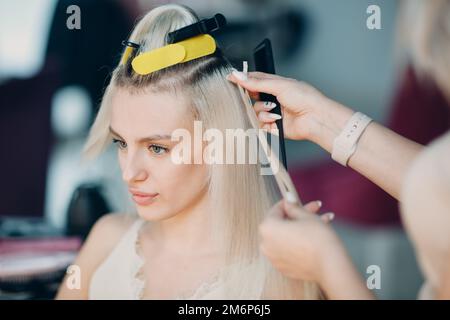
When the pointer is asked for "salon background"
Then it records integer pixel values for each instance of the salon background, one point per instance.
(51, 80)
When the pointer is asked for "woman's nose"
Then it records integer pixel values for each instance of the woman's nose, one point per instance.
(134, 170)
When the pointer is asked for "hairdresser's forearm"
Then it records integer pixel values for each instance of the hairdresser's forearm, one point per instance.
(444, 288)
(382, 156)
(341, 280)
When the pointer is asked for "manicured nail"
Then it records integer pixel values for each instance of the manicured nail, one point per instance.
(290, 198)
(329, 216)
(319, 203)
(274, 116)
(241, 76)
(269, 105)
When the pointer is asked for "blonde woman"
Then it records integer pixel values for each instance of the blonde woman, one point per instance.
(196, 232)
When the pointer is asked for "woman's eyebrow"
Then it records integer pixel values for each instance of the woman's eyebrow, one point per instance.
(114, 132)
(155, 137)
(145, 139)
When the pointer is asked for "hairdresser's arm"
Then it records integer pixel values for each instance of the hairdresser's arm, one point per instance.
(382, 155)
(303, 246)
(444, 289)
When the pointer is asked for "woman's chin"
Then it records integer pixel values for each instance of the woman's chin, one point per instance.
(152, 214)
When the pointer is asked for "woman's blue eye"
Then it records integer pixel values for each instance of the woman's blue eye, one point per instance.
(157, 149)
(121, 144)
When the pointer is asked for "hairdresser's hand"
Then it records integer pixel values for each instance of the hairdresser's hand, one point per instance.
(297, 241)
(307, 113)
(303, 246)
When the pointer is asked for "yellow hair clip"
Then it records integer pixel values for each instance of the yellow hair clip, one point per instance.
(185, 44)
(172, 54)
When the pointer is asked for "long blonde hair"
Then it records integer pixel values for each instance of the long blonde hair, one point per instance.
(241, 195)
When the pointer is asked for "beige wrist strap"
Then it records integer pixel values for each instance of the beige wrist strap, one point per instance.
(344, 145)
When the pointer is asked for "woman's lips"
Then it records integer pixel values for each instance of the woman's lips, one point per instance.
(143, 199)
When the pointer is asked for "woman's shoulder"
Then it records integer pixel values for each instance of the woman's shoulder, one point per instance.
(113, 225)
(109, 230)
(104, 236)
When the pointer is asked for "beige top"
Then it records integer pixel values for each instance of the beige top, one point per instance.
(425, 204)
(117, 277)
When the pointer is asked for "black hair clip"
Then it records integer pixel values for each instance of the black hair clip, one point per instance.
(201, 27)
(129, 53)
(130, 44)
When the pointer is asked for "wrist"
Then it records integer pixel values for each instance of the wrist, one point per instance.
(329, 121)
(340, 279)
(333, 257)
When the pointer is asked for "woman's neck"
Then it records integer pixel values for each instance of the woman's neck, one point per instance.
(188, 232)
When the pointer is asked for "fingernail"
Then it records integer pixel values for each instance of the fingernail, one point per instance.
(319, 203)
(240, 75)
(290, 198)
(328, 216)
(274, 116)
(269, 105)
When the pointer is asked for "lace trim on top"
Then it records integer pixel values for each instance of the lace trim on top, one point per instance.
(138, 281)
(198, 293)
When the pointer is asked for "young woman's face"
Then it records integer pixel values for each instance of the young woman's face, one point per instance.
(141, 127)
